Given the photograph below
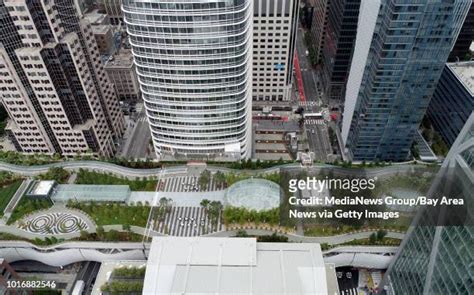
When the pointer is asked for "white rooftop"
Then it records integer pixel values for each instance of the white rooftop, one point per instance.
(42, 188)
(182, 265)
(464, 71)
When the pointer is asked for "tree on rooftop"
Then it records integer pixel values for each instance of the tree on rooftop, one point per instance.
(204, 179)
(205, 203)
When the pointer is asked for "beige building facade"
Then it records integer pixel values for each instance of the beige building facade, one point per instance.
(58, 97)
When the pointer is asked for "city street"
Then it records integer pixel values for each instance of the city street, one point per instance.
(316, 131)
(307, 73)
(140, 138)
(318, 139)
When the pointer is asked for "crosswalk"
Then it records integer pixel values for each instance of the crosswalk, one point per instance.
(187, 184)
(352, 291)
(308, 103)
(314, 122)
(187, 222)
(142, 119)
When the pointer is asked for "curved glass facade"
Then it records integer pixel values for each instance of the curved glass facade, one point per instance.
(193, 64)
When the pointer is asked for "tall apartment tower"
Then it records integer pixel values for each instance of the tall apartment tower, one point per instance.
(401, 48)
(436, 255)
(52, 84)
(465, 38)
(338, 47)
(194, 68)
(275, 24)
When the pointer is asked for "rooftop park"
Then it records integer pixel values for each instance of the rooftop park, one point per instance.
(242, 216)
(9, 184)
(411, 184)
(16, 158)
(273, 238)
(126, 235)
(58, 174)
(125, 280)
(107, 213)
(6, 194)
(28, 205)
(91, 177)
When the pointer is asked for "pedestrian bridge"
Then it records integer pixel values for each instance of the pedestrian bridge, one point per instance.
(71, 252)
(360, 260)
(361, 256)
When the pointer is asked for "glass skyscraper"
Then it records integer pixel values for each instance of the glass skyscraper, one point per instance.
(440, 259)
(193, 61)
(453, 100)
(338, 47)
(392, 80)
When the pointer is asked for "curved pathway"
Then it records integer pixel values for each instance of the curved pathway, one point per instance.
(169, 171)
(331, 240)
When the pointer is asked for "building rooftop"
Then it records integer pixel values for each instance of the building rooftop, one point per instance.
(100, 29)
(179, 265)
(123, 59)
(41, 188)
(86, 192)
(96, 18)
(465, 73)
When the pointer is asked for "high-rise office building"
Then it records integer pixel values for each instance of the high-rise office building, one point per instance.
(466, 37)
(318, 26)
(435, 258)
(401, 48)
(8, 274)
(114, 11)
(274, 38)
(104, 37)
(340, 34)
(453, 100)
(194, 65)
(52, 84)
(123, 75)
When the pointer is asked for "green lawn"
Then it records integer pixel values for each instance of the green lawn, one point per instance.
(28, 205)
(6, 193)
(367, 242)
(89, 177)
(60, 175)
(242, 215)
(114, 213)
